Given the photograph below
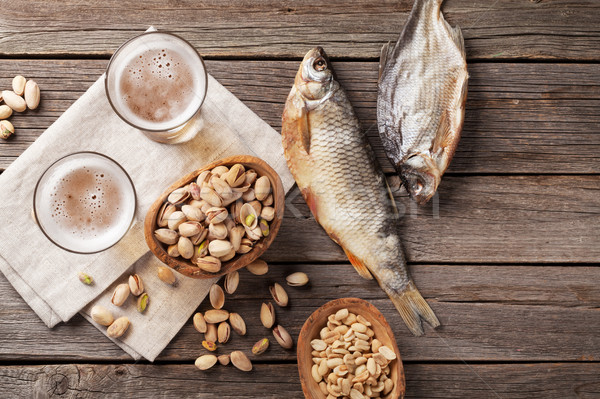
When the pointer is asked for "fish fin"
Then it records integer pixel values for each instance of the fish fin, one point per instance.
(295, 123)
(456, 35)
(360, 267)
(412, 308)
(386, 52)
(311, 201)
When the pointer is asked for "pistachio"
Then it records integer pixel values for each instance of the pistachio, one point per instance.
(258, 267)
(264, 227)
(217, 231)
(211, 333)
(246, 246)
(179, 196)
(250, 176)
(249, 216)
(189, 229)
(193, 213)
(101, 315)
(199, 323)
(200, 237)
(262, 188)
(279, 295)
(175, 219)
(209, 264)
(142, 302)
(227, 257)
(297, 279)
(85, 278)
(6, 129)
(205, 362)
(235, 237)
(194, 190)
(202, 250)
(32, 94)
(14, 101)
(257, 206)
(267, 213)
(235, 211)
(216, 215)
(220, 170)
(165, 213)
(196, 203)
(224, 360)
(18, 84)
(136, 285)
(248, 195)
(5, 111)
(217, 296)
(120, 294)
(185, 247)
(236, 175)
(283, 337)
(218, 248)
(237, 323)
(223, 332)
(118, 327)
(222, 189)
(210, 196)
(166, 275)
(267, 314)
(240, 361)
(268, 201)
(166, 236)
(214, 316)
(231, 282)
(260, 346)
(203, 178)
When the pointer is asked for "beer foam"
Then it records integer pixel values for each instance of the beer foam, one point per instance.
(85, 202)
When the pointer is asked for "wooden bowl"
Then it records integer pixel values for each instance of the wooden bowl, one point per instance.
(186, 267)
(318, 320)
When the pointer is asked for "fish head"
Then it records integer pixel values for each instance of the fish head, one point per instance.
(420, 176)
(315, 76)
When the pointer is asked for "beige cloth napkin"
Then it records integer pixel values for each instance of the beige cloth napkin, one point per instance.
(46, 276)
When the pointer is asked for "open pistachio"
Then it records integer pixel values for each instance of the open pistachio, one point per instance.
(260, 346)
(166, 275)
(214, 316)
(189, 229)
(267, 213)
(246, 246)
(262, 188)
(118, 327)
(248, 195)
(231, 282)
(185, 247)
(250, 176)
(166, 236)
(120, 294)
(258, 267)
(218, 248)
(202, 249)
(192, 213)
(165, 213)
(235, 237)
(209, 264)
(211, 197)
(216, 215)
(199, 323)
(237, 323)
(173, 251)
(223, 332)
(136, 285)
(249, 216)
(205, 362)
(283, 337)
(236, 175)
(224, 360)
(267, 314)
(101, 315)
(211, 333)
(203, 178)
(279, 295)
(142, 302)
(240, 361)
(222, 189)
(175, 219)
(179, 196)
(236, 209)
(217, 231)
(257, 205)
(253, 234)
(6, 129)
(216, 296)
(85, 278)
(220, 170)
(297, 279)
(201, 236)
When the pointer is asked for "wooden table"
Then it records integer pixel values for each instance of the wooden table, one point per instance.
(507, 256)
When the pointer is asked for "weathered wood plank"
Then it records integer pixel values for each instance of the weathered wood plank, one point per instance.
(557, 380)
(488, 313)
(564, 29)
(521, 118)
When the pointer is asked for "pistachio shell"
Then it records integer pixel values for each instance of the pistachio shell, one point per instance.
(217, 231)
(217, 296)
(194, 190)
(210, 196)
(237, 323)
(258, 267)
(249, 195)
(224, 360)
(18, 84)
(231, 282)
(268, 201)
(209, 264)
(223, 332)
(218, 248)
(166, 275)
(120, 294)
(262, 188)
(205, 362)
(173, 251)
(297, 279)
(14, 101)
(248, 216)
(267, 213)
(6, 129)
(5, 111)
(235, 237)
(165, 213)
(221, 188)
(240, 361)
(118, 327)
(246, 246)
(175, 219)
(227, 257)
(257, 205)
(101, 315)
(189, 229)
(235, 210)
(198, 238)
(199, 323)
(203, 178)
(214, 316)
(193, 213)
(220, 170)
(179, 196)
(283, 337)
(185, 247)
(236, 175)
(267, 314)
(279, 295)
(211, 333)
(32, 94)
(250, 176)
(136, 285)
(216, 215)
(166, 236)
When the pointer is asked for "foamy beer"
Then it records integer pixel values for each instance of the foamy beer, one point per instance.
(84, 202)
(157, 82)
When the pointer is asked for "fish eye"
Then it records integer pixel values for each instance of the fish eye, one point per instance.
(320, 64)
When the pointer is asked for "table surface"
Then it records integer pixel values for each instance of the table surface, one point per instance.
(507, 255)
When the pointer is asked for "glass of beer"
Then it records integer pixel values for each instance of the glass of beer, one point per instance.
(84, 202)
(156, 82)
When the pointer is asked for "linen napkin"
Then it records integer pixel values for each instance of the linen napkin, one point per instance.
(46, 276)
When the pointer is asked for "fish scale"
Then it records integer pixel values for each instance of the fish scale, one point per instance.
(336, 170)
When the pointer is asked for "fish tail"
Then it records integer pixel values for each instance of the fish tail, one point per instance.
(413, 308)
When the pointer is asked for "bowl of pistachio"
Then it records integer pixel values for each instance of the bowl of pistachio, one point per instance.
(216, 219)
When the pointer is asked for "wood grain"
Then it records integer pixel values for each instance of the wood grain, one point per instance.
(488, 313)
(477, 381)
(521, 118)
(504, 29)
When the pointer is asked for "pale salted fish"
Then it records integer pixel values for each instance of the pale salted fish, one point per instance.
(421, 99)
(336, 171)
